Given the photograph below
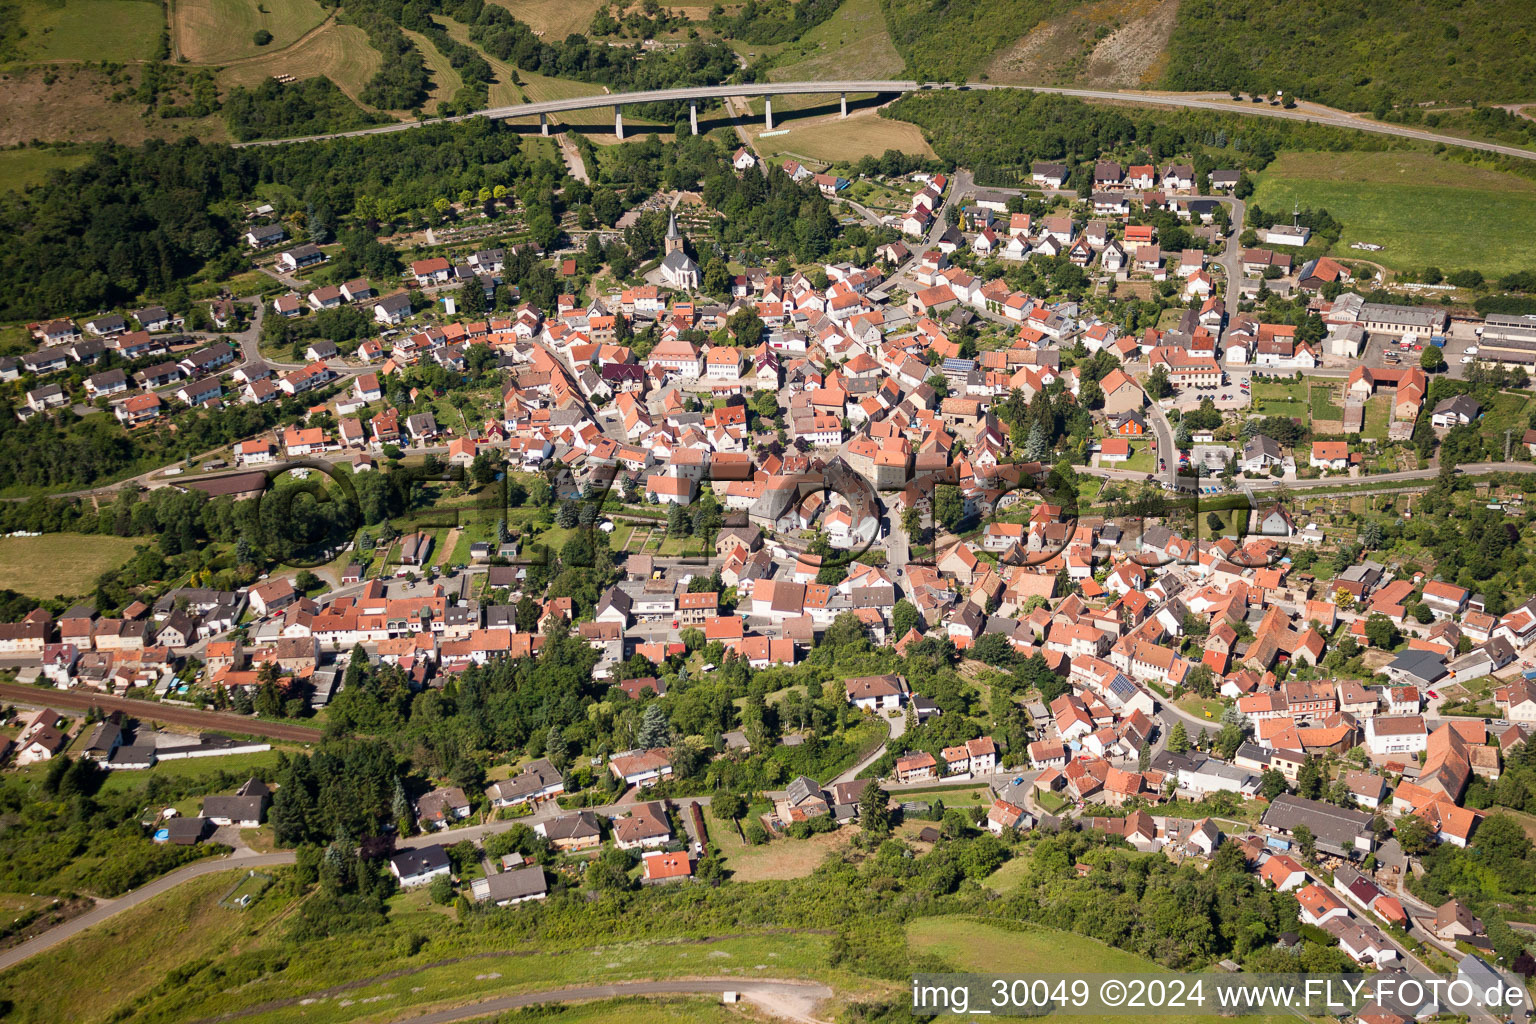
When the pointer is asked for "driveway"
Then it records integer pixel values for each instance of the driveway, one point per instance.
(897, 727)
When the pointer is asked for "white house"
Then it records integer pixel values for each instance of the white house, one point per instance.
(419, 865)
(1395, 734)
(875, 693)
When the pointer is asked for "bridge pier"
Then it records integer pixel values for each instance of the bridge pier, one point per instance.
(843, 99)
(768, 113)
(543, 124)
(618, 123)
(693, 115)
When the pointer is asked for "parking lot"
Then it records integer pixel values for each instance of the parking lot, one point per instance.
(1229, 396)
(1387, 351)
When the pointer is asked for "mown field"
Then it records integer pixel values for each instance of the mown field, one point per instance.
(445, 79)
(502, 93)
(832, 139)
(973, 946)
(1425, 211)
(339, 52)
(87, 30)
(60, 563)
(215, 31)
(554, 19)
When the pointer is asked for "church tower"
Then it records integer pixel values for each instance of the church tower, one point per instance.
(677, 268)
(674, 240)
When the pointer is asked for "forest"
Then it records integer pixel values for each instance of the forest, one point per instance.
(402, 81)
(775, 21)
(273, 110)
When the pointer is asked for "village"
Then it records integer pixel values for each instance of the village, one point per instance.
(859, 458)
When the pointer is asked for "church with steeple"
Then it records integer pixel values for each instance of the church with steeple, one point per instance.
(677, 268)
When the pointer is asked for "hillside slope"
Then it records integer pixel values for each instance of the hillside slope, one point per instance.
(1358, 53)
(1354, 54)
(947, 40)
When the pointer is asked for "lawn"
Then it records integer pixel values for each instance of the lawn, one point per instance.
(91, 30)
(1233, 522)
(196, 767)
(1378, 412)
(339, 52)
(64, 564)
(953, 796)
(1421, 209)
(1009, 875)
(1509, 411)
(20, 168)
(469, 533)
(974, 946)
(1201, 708)
(780, 860)
(1281, 398)
(216, 31)
(1142, 459)
(1323, 398)
(1052, 802)
(680, 546)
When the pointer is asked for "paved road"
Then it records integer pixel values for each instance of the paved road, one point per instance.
(1470, 469)
(111, 908)
(213, 721)
(1168, 475)
(898, 726)
(793, 1000)
(1231, 258)
(1312, 114)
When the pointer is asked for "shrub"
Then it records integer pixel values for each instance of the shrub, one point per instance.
(263, 37)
